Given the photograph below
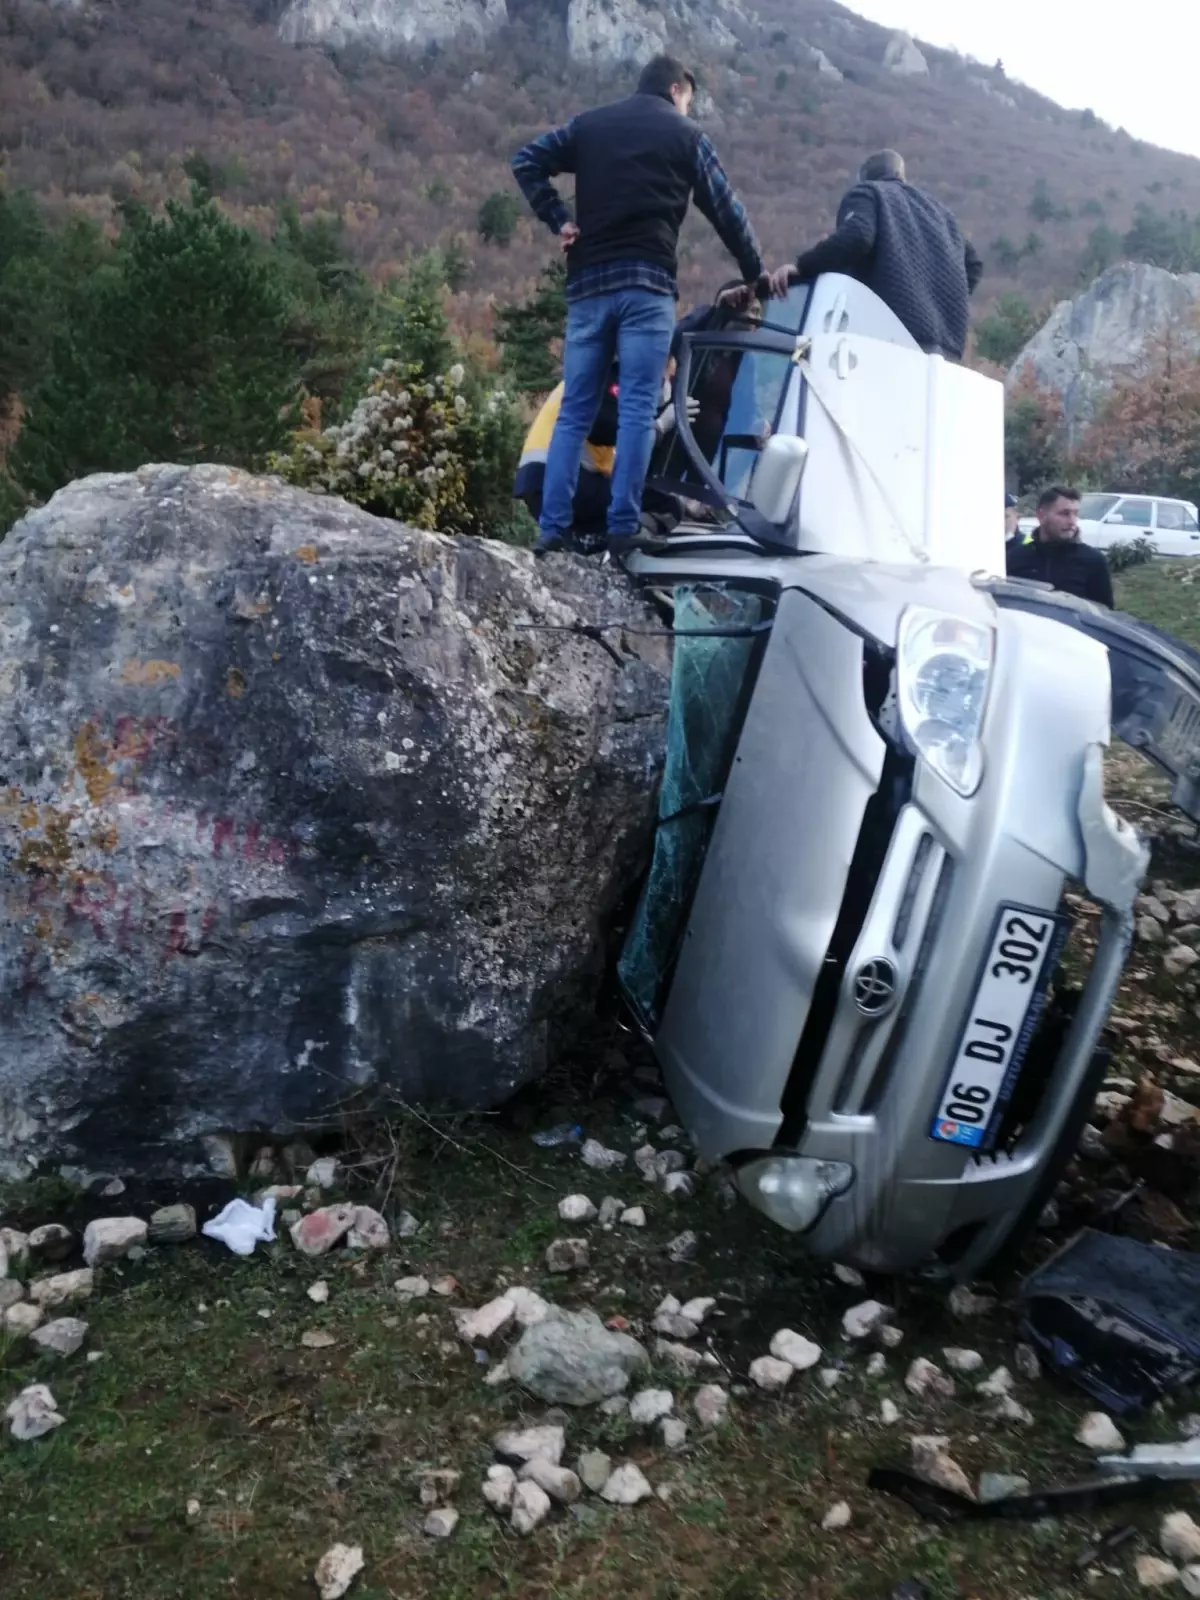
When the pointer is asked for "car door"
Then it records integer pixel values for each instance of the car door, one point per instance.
(1175, 529)
(1131, 518)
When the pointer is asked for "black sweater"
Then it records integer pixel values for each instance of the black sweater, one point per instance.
(1069, 565)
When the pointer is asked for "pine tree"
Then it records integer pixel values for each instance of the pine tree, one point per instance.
(529, 331)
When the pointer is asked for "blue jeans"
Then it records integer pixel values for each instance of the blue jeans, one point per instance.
(635, 326)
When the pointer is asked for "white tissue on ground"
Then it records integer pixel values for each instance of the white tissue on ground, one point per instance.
(242, 1225)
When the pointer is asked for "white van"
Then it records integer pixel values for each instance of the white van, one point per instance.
(1170, 525)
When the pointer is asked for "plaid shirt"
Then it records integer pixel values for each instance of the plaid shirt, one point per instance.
(538, 163)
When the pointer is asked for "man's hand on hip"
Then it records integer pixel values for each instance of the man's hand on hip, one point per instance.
(567, 235)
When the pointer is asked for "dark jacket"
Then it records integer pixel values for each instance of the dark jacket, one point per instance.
(637, 165)
(1068, 564)
(908, 249)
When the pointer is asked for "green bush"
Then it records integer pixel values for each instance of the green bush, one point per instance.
(497, 220)
(1129, 553)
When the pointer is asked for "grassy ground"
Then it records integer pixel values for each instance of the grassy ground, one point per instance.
(205, 1393)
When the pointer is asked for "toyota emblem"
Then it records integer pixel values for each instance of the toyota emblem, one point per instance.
(875, 987)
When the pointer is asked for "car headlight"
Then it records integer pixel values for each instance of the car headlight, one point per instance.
(793, 1190)
(943, 666)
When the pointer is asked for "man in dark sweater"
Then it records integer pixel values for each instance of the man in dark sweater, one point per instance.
(637, 164)
(907, 248)
(1055, 554)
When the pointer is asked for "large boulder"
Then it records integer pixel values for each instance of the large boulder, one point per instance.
(903, 58)
(294, 812)
(391, 27)
(1108, 331)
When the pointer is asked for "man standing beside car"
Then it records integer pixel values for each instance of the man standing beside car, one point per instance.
(1055, 554)
(637, 164)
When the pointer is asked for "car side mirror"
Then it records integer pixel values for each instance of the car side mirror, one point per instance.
(1114, 516)
(777, 477)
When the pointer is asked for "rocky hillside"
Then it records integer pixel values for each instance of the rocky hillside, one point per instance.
(398, 116)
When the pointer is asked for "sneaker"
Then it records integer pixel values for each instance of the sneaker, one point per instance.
(548, 544)
(647, 544)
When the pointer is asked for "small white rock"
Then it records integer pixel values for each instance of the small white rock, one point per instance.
(649, 1405)
(876, 1365)
(337, 1570)
(679, 1185)
(964, 1361)
(576, 1208)
(927, 1381)
(1190, 1579)
(850, 1276)
(560, 1483)
(1180, 1538)
(14, 1249)
(683, 1247)
(411, 1288)
(1025, 1359)
(112, 1238)
(674, 1433)
(480, 1327)
(530, 1507)
(626, 1486)
(1155, 1573)
(1100, 1433)
(33, 1414)
(63, 1289)
(1007, 1409)
(795, 1350)
(996, 1385)
(838, 1516)
(499, 1487)
(890, 1337)
(193, 1508)
(522, 1444)
(769, 1373)
(369, 1230)
(697, 1310)
(964, 1302)
(831, 1377)
(317, 1339)
(324, 1173)
(318, 1292)
(634, 1217)
(861, 1321)
(528, 1306)
(441, 1522)
(595, 1155)
(933, 1464)
(711, 1405)
(889, 1413)
(62, 1337)
(20, 1320)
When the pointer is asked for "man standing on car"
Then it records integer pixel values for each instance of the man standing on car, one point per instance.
(637, 164)
(1056, 555)
(906, 247)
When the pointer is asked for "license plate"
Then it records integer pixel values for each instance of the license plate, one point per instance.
(1004, 1013)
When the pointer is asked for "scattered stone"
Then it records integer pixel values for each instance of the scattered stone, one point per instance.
(530, 1508)
(437, 1486)
(369, 1231)
(644, 1159)
(193, 1508)
(626, 1486)
(173, 1224)
(576, 1208)
(221, 1153)
(63, 1289)
(838, 1516)
(962, 1360)
(1100, 1433)
(927, 1381)
(33, 1414)
(488, 1323)
(1010, 1410)
(12, 1292)
(861, 1321)
(499, 1487)
(497, 1374)
(1025, 1359)
(1178, 959)
(680, 1185)
(112, 1238)
(890, 1336)
(850, 1276)
(667, 1162)
(889, 1413)
(560, 1483)
(995, 1486)
(697, 1310)
(446, 1286)
(14, 1249)
(615, 1406)
(1180, 1538)
(318, 1232)
(711, 1405)
(411, 1288)
(672, 1134)
(1155, 1573)
(1149, 931)
(595, 1155)
(318, 1292)
(572, 1359)
(653, 1108)
(325, 1173)
(1190, 1579)
(649, 1405)
(831, 1377)
(678, 1356)
(933, 1463)
(407, 1226)
(337, 1570)
(876, 1365)
(263, 1164)
(996, 1385)
(440, 1523)
(634, 1217)
(21, 1319)
(795, 1349)
(317, 1339)
(771, 1374)
(594, 1469)
(528, 1306)
(610, 1210)
(683, 1247)
(522, 1444)
(52, 1242)
(674, 1433)
(62, 1337)
(567, 1255)
(964, 1302)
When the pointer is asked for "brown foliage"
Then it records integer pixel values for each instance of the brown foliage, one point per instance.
(1147, 436)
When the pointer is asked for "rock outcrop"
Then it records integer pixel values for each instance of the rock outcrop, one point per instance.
(293, 811)
(390, 27)
(1108, 330)
(605, 33)
(903, 58)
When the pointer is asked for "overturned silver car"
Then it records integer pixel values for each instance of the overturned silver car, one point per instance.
(884, 780)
